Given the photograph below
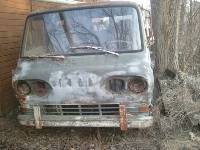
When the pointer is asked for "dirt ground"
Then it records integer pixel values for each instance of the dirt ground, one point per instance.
(16, 137)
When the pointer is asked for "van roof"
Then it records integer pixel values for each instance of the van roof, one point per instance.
(87, 5)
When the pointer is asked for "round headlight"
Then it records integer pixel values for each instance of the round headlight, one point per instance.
(39, 88)
(23, 88)
(137, 85)
(117, 85)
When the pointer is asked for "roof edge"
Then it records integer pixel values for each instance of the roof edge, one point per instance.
(86, 5)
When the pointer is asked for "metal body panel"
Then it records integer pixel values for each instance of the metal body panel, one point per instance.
(96, 69)
(89, 121)
(82, 79)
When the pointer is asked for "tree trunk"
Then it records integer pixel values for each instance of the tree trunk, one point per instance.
(166, 18)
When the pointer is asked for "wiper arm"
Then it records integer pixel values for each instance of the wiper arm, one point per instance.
(95, 48)
(48, 56)
(52, 56)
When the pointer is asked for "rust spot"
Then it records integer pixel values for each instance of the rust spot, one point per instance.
(150, 108)
(144, 108)
(123, 118)
(23, 110)
(20, 98)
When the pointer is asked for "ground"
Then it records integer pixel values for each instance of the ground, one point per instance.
(14, 136)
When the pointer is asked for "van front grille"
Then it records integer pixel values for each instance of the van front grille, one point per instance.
(100, 109)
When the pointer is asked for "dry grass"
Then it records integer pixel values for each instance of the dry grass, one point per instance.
(179, 106)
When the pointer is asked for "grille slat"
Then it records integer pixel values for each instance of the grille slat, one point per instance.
(86, 108)
(101, 109)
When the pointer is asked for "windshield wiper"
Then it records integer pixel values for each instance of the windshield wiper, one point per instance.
(48, 56)
(53, 55)
(95, 48)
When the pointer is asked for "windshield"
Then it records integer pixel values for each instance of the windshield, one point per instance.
(112, 28)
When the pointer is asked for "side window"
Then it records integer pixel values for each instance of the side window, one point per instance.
(36, 38)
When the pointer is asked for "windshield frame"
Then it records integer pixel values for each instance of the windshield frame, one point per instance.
(93, 6)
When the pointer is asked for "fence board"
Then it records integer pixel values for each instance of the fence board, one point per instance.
(12, 19)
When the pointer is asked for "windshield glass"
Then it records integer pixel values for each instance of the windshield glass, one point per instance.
(112, 28)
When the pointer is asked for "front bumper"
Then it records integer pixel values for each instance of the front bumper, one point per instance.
(133, 121)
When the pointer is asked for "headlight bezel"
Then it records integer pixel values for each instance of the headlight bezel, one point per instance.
(32, 88)
(136, 81)
(117, 81)
(19, 85)
(126, 80)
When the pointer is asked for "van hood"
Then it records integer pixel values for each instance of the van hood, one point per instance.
(81, 79)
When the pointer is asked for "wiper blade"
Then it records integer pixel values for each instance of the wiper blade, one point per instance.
(95, 48)
(53, 56)
(48, 56)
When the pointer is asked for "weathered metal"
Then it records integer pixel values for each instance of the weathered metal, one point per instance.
(83, 79)
(134, 121)
(37, 117)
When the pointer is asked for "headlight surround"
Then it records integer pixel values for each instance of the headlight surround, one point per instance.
(137, 85)
(127, 84)
(117, 85)
(33, 87)
(40, 88)
(23, 88)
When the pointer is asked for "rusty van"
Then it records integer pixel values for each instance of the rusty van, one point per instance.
(87, 65)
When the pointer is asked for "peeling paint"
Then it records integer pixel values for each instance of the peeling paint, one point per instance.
(23, 69)
(83, 79)
(77, 81)
(78, 85)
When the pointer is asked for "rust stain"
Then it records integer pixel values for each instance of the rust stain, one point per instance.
(23, 110)
(123, 118)
(20, 98)
(144, 108)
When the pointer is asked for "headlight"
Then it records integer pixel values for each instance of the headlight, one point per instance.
(39, 88)
(33, 87)
(117, 85)
(137, 85)
(23, 88)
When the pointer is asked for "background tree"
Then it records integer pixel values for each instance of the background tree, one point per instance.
(176, 26)
(166, 16)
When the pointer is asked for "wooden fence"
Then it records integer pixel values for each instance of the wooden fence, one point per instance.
(12, 19)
